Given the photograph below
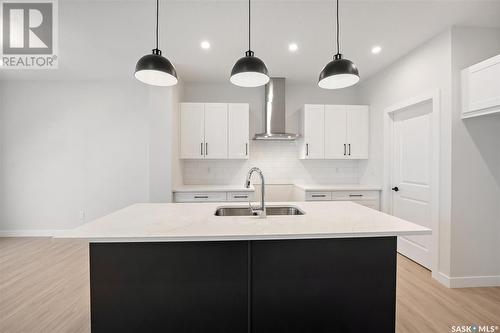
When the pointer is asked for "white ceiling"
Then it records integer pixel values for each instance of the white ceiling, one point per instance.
(104, 39)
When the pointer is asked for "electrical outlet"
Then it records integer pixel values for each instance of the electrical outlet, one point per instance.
(82, 215)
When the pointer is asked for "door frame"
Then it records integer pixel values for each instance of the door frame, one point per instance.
(434, 98)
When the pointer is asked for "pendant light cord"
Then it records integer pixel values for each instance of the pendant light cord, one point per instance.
(249, 19)
(157, 15)
(338, 29)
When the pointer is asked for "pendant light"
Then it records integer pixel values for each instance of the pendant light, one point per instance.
(340, 72)
(249, 71)
(154, 69)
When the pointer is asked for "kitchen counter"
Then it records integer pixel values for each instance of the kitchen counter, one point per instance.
(179, 268)
(197, 222)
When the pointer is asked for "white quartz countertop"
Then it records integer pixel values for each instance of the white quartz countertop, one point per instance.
(197, 222)
(335, 187)
(213, 188)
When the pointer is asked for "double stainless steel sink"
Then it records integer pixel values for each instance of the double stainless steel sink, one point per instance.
(246, 211)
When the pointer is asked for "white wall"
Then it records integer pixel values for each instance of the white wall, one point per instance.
(469, 231)
(425, 69)
(74, 151)
(475, 236)
(278, 160)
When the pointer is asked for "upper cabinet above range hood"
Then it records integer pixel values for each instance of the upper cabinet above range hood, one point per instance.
(274, 112)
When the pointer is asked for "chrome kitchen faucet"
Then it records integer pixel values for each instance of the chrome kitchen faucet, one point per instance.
(261, 211)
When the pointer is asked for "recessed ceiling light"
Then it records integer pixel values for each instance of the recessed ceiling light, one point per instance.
(205, 45)
(376, 49)
(293, 47)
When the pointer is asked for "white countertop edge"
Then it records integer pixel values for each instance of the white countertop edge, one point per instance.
(250, 237)
(340, 187)
(212, 188)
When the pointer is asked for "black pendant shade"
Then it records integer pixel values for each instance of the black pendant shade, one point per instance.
(249, 71)
(155, 69)
(338, 73)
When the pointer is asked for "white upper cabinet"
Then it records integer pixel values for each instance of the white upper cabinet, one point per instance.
(192, 130)
(214, 130)
(336, 131)
(313, 131)
(238, 131)
(358, 129)
(481, 88)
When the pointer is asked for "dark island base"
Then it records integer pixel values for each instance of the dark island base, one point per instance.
(270, 286)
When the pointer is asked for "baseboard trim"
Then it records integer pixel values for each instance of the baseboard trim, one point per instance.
(29, 233)
(467, 281)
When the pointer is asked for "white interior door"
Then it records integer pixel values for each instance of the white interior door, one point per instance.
(411, 174)
(238, 128)
(215, 130)
(358, 127)
(314, 131)
(192, 130)
(335, 132)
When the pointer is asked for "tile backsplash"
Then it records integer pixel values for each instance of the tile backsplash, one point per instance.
(280, 163)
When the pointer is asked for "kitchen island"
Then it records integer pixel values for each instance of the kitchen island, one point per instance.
(179, 268)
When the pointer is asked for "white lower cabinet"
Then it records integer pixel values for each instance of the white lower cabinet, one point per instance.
(219, 196)
(368, 198)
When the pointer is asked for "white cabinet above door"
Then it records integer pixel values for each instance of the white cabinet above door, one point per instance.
(215, 130)
(481, 88)
(192, 130)
(238, 131)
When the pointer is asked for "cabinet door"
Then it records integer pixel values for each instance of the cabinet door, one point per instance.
(335, 132)
(192, 130)
(357, 131)
(216, 130)
(314, 131)
(238, 130)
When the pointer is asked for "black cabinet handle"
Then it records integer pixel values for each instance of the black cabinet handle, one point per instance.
(201, 149)
(355, 195)
(349, 149)
(395, 189)
(240, 196)
(246, 149)
(307, 149)
(318, 195)
(201, 196)
(344, 149)
(206, 148)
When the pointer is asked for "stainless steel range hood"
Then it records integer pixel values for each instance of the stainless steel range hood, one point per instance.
(274, 112)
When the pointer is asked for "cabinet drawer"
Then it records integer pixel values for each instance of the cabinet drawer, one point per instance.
(318, 196)
(240, 196)
(200, 196)
(374, 204)
(355, 195)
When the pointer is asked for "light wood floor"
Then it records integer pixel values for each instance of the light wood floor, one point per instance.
(44, 287)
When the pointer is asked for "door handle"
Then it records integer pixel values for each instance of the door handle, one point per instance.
(307, 149)
(206, 148)
(344, 149)
(201, 149)
(349, 149)
(395, 189)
